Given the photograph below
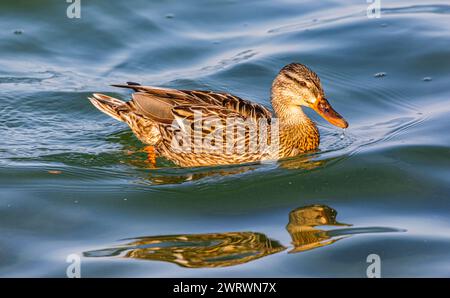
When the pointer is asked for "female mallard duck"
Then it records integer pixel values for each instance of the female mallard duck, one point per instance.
(158, 116)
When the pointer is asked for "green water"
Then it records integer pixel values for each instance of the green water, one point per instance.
(74, 181)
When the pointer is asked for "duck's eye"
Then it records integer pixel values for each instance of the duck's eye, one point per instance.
(302, 83)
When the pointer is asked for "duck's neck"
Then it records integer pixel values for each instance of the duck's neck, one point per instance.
(289, 114)
(298, 133)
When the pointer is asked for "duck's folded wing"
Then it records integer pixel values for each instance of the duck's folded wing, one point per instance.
(245, 108)
(157, 108)
(158, 102)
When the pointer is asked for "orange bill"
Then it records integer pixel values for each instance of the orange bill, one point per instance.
(324, 109)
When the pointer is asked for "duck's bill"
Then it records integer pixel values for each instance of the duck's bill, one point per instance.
(324, 109)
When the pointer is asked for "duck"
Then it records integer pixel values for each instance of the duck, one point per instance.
(195, 128)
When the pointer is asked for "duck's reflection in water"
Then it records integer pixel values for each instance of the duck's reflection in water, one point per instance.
(234, 248)
(177, 176)
(163, 176)
(197, 250)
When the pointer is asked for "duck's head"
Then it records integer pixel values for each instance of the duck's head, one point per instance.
(296, 85)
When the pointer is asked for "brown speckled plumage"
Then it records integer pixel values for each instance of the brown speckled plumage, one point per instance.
(152, 112)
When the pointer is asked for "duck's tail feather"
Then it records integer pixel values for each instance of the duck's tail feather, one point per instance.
(131, 85)
(107, 105)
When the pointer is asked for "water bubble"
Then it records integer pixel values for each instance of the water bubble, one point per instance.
(427, 79)
(380, 74)
(342, 136)
(384, 25)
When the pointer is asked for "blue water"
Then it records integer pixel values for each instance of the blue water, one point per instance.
(74, 181)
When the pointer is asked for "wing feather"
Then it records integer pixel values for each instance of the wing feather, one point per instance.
(159, 103)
